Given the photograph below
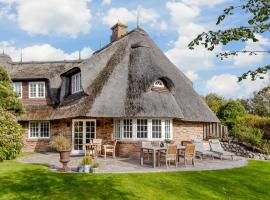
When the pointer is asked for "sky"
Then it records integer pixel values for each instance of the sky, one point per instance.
(60, 29)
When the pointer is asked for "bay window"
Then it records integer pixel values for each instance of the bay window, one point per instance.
(149, 129)
(39, 129)
(36, 89)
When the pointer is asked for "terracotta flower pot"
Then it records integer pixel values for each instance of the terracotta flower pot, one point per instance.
(64, 159)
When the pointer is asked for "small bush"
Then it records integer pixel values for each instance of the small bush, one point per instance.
(11, 139)
(87, 160)
(95, 165)
(61, 143)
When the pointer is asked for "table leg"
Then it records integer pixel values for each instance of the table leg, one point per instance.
(154, 158)
(141, 156)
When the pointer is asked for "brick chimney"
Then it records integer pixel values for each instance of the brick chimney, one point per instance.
(118, 30)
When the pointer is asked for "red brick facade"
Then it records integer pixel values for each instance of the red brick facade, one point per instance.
(104, 130)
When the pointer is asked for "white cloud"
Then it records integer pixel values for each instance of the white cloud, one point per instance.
(106, 2)
(183, 17)
(61, 17)
(42, 52)
(209, 3)
(244, 59)
(130, 16)
(6, 10)
(192, 76)
(227, 85)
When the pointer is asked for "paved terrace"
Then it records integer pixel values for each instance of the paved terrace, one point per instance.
(128, 165)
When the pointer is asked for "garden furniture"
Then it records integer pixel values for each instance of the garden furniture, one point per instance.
(217, 148)
(188, 153)
(185, 142)
(98, 143)
(200, 150)
(169, 155)
(110, 148)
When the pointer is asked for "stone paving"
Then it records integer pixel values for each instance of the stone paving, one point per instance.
(128, 165)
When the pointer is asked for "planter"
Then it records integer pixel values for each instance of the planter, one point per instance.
(80, 169)
(87, 168)
(94, 170)
(64, 159)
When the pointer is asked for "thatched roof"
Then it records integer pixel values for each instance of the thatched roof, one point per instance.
(117, 82)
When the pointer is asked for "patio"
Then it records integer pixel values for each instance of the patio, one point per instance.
(129, 165)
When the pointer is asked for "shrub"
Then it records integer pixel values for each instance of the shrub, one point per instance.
(11, 139)
(95, 165)
(61, 143)
(87, 160)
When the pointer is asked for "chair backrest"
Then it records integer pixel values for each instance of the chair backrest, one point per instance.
(190, 150)
(198, 144)
(172, 149)
(155, 143)
(215, 145)
(97, 141)
(146, 144)
(185, 142)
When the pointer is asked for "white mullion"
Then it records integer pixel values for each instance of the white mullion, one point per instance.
(39, 129)
(162, 129)
(149, 124)
(121, 128)
(171, 128)
(134, 130)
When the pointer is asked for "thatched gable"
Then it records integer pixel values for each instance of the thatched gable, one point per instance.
(117, 82)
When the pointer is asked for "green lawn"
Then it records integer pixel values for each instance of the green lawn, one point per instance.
(28, 181)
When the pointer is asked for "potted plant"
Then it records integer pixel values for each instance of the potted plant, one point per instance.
(87, 161)
(95, 167)
(63, 146)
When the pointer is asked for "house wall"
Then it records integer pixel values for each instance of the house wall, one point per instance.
(104, 130)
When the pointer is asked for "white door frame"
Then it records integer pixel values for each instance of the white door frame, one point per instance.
(74, 152)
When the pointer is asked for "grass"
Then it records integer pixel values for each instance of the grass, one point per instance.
(30, 181)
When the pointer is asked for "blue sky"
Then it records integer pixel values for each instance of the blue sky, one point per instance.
(59, 29)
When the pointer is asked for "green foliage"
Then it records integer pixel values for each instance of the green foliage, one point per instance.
(256, 22)
(61, 143)
(230, 112)
(87, 160)
(95, 165)
(11, 140)
(261, 102)
(8, 98)
(215, 102)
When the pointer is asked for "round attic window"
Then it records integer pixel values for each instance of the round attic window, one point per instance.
(159, 84)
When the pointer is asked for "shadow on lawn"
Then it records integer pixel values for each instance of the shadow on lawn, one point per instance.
(41, 184)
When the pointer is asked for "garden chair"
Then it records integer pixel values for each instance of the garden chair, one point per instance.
(200, 151)
(189, 152)
(185, 142)
(110, 148)
(98, 142)
(217, 148)
(169, 155)
(146, 152)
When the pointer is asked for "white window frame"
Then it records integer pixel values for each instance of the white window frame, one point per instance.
(36, 90)
(74, 78)
(120, 122)
(39, 132)
(14, 88)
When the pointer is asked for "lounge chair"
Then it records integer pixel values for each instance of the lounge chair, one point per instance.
(217, 148)
(200, 151)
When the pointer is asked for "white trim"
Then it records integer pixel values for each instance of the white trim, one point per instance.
(21, 89)
(149, 129)
(76, 76)
(29, 134)
(36, 92)
(76, 152)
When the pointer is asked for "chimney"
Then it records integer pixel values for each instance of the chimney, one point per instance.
(118, 30)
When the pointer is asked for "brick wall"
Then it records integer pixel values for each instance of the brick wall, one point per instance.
(104, 130)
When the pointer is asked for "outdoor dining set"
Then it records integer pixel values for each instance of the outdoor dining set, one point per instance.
(157, 152)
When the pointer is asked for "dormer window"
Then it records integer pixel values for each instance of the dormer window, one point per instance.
(159, 84)
(76, 83)
(17, 87)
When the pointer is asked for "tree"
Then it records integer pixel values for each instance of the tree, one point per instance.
(229, 113)
(8, 98)
(257, 23)
(261, 102)
(214, 101)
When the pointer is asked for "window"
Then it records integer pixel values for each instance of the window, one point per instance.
(156, 128)
(76, 83)
(159, 83)
(36, 89)
(17, 87)
(127, 132)
(39, 129)
(142, 128)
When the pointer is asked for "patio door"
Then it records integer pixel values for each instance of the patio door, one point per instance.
(82, 132)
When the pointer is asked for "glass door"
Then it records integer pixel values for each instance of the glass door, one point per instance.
(82, 132)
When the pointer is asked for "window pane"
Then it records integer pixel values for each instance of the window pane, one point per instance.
(167, 129)
(142, 128)
(34, 126)
(117, 129)
(41, 90)
(127, 128)
(44, 129)
(76, 83)
(17, 87)
(156, 128)
(32, 90)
